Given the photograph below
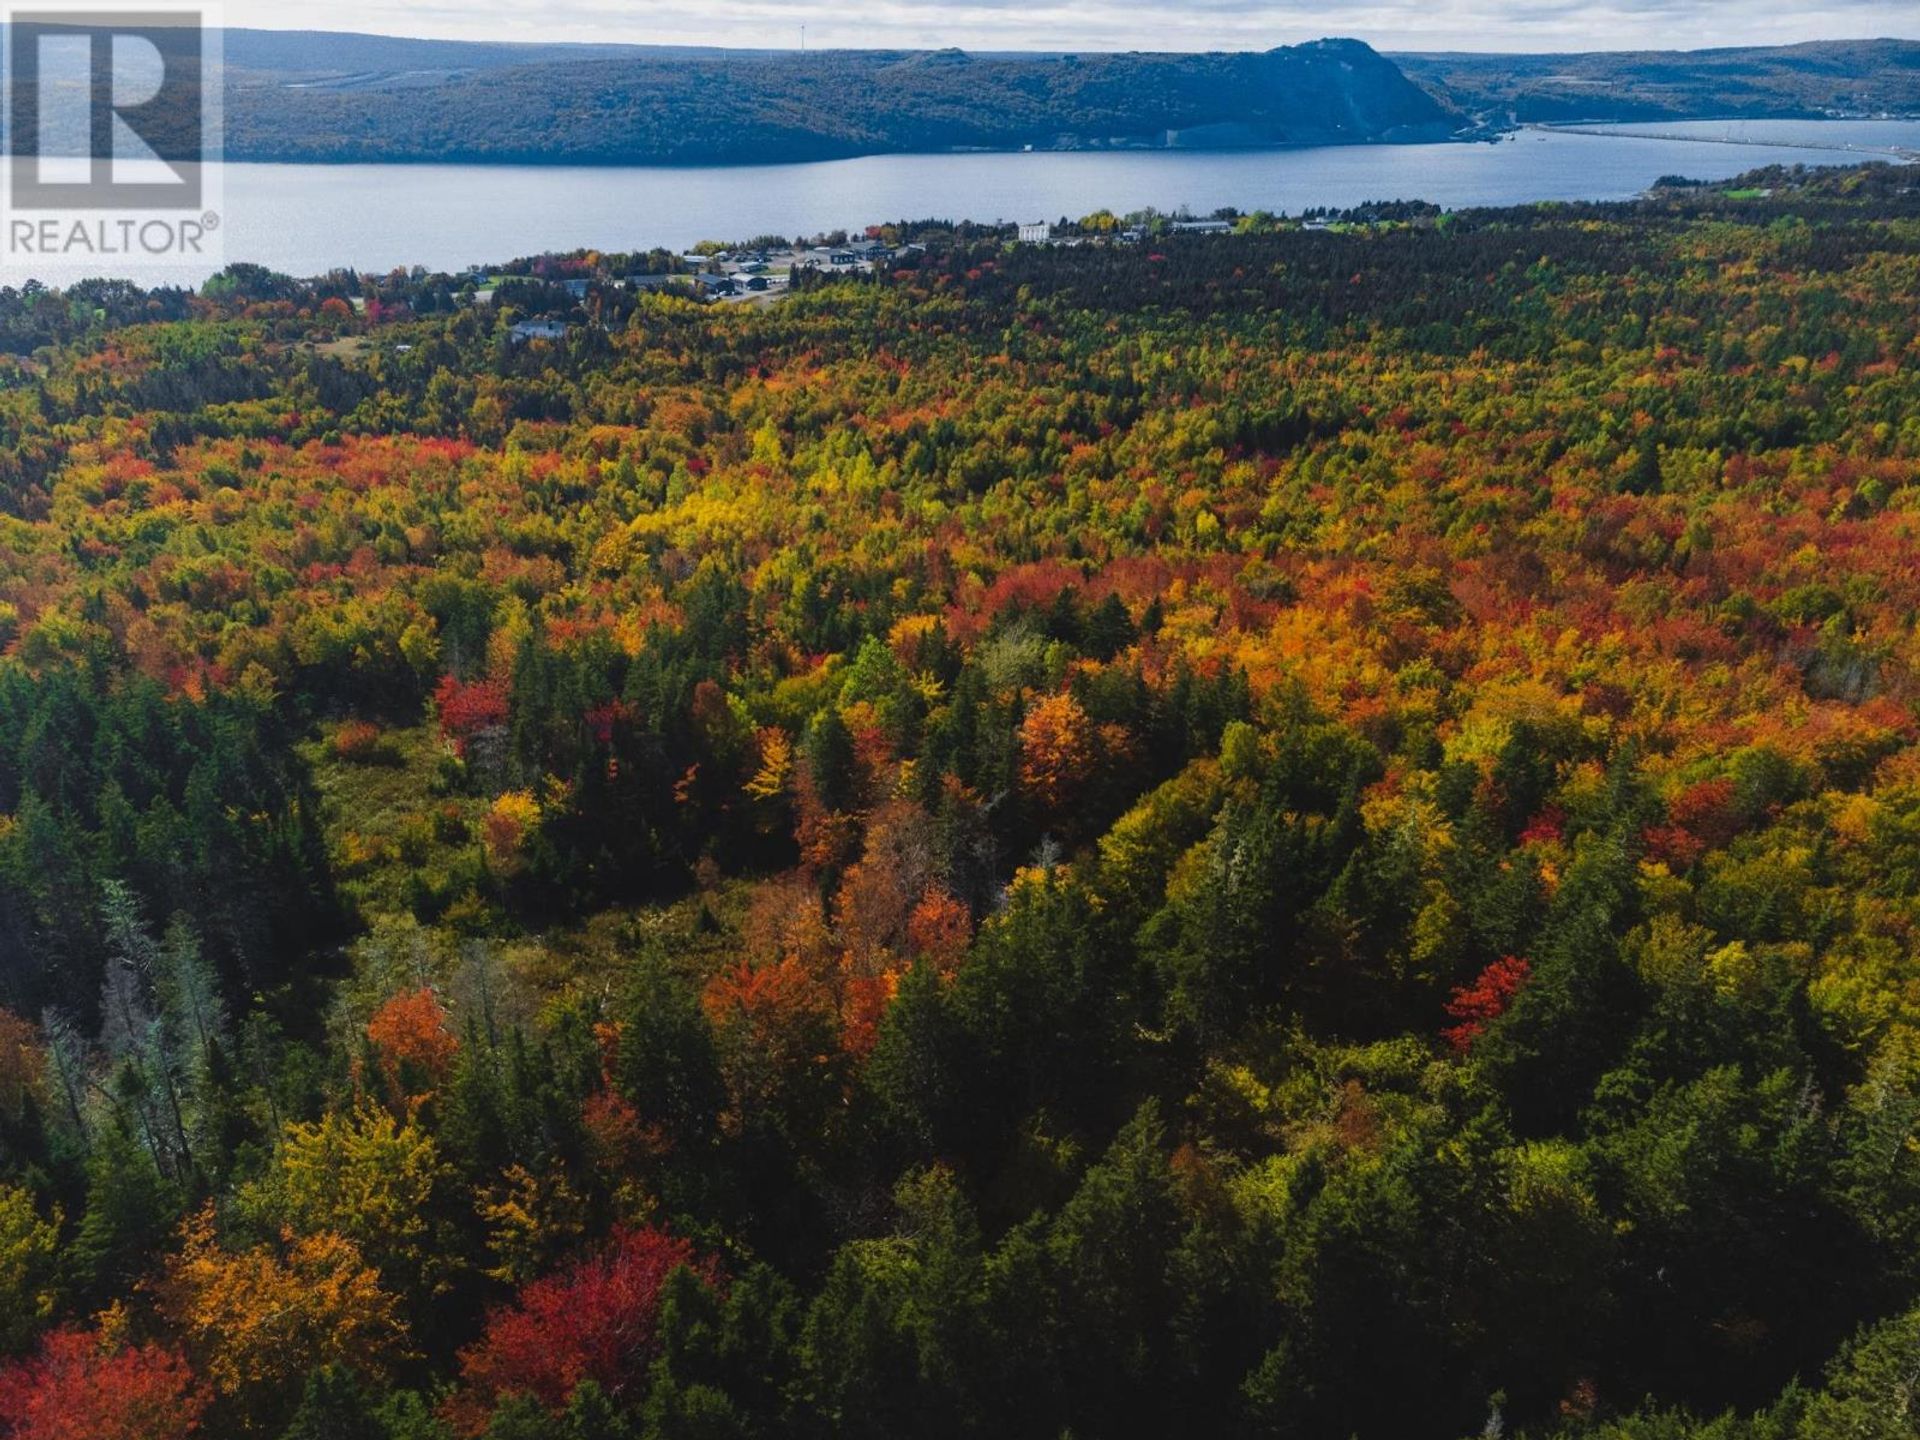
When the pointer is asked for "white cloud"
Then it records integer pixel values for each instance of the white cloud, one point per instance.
(1513, 25)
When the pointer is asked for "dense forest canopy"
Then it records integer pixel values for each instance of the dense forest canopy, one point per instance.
(1312, 832)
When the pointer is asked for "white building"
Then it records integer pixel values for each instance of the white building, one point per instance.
(525, 330)
(1038, 233)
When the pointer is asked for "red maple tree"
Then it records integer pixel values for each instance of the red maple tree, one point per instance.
(79, 1388)
(592, 1320)
(468, 708)
(1478, 1005)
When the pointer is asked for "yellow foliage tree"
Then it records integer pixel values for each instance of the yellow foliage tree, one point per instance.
(504, 831)
(530, 1219)
(257, 1320)
(27, 1245)
(776, 763)
(363, 1175)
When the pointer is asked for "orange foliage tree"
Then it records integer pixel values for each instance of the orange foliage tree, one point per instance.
(940, 929)
(22, 1062)
(261, 1319)
(1056, 752)
(413, 1047)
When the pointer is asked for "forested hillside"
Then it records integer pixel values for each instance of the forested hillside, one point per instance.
(762, 106)
(1308, 833)
(1826, 77)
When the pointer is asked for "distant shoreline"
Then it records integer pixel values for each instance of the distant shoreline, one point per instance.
(833, 157)
(1599, 128)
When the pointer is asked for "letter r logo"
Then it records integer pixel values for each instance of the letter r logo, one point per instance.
(106, 110)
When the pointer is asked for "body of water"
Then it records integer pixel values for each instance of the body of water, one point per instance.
(306, 219)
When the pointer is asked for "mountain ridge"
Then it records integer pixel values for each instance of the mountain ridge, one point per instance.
(754, 106)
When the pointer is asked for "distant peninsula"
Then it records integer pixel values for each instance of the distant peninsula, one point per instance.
(321, 97)
(1826, 79)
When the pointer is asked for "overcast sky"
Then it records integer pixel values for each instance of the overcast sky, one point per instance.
(1112, 24)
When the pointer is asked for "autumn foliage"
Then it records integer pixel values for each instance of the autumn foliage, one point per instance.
(80, 1386)
(413, 1045)
(258, 1318)
(1313, 831)
(1476, 1006)
(591, 1320)
(22, 1062)
(468, 708)
(1057, 752)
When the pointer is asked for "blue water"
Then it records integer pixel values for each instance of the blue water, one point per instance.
(305, 219)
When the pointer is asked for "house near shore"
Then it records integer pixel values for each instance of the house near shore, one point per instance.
(525, 330)
(1036, 233)
(678, 283)
(666, 281)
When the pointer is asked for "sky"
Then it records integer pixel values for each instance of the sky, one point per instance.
(1512, 25)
